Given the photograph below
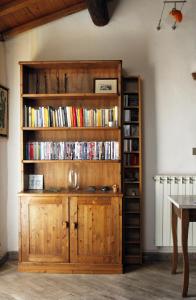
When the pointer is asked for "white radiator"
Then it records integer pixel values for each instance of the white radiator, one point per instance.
(171, 185)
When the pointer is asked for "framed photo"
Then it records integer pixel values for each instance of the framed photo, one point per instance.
(106, 85)
(36, 182)
(3, 111)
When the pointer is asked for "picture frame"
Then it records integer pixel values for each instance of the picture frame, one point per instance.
(3, 111)
(36, 182)
(106, 85)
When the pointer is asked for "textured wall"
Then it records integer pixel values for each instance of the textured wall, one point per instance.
(164, 59)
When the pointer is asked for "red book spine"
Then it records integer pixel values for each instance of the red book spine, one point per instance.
(74, 117)
(31, 151)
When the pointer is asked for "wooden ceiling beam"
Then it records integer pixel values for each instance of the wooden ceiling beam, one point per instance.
(98, 11)
(45, 19)
(13, 6)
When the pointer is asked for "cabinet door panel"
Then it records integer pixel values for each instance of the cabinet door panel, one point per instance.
(95, 230)
(44, 227)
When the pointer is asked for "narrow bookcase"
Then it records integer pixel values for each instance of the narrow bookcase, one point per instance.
(132, 169)
(62, 230)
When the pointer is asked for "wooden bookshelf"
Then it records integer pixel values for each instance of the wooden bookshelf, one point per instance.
(77, 224)
(132, 170)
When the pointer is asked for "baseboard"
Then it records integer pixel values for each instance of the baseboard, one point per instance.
(150, 257)
(4, 259)
(13, 255)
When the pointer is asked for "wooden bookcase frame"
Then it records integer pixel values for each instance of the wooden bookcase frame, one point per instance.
(132, 167)
(61, 83)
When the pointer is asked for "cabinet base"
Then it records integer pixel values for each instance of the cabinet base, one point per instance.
(69, 268)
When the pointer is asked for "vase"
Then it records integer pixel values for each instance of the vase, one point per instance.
(73, 179)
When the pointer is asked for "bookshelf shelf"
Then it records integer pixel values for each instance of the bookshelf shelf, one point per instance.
(66, 161)
(76, 96)
(132, 211)
(132, 107)
(132, 169)
(69, 128)
(62, 117)
(133, 242)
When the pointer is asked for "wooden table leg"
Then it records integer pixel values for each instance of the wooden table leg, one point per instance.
(175, 240)
(185, 228)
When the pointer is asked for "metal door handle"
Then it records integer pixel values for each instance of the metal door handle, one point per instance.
(75, 225)
(66, 223)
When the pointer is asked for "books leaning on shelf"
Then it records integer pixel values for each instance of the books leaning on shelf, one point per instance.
(131, 130)
(107, 150)
(131, 115)
(131, 100)
(69, 116)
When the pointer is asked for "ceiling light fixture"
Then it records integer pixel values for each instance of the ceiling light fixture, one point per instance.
(175, 13)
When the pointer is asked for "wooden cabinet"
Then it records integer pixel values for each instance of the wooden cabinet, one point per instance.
(71, 233)
(67, 125)
(95, 230)
(44, 229)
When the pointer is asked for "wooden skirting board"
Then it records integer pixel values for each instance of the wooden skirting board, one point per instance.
(69, 268)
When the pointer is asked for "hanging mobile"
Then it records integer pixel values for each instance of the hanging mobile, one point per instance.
(174, 13)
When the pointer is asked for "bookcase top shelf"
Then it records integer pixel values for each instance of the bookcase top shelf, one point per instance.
(75, 64)
(92, 96)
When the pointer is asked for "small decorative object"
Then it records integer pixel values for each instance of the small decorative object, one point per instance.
(106, 85)
(104, 188)
(37, 83)
(175, 13)
(36, 182)
(115, 188)
(73, 179)
(45, 82)
(111, 124)
(65, 82)
(91, 189)
(3, 111)
(54, 190)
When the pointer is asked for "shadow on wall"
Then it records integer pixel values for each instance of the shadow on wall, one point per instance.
(112, 6)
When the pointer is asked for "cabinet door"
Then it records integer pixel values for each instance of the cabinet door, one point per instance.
(44, 229)
(95, 230)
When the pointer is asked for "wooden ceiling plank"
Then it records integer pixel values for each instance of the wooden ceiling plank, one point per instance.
(13, 6)
(45, 19)
(98, 11)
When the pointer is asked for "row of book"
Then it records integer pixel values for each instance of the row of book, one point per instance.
(131, 115)
(107, 150)
(70, 116)
(130, 145)
(131, 159)
(131, 130)
(131, 100)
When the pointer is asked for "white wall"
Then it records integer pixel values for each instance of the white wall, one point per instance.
(164, 59)
(3, 168)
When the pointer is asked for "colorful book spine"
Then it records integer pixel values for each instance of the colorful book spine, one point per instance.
(70, 116)
(79, 150)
